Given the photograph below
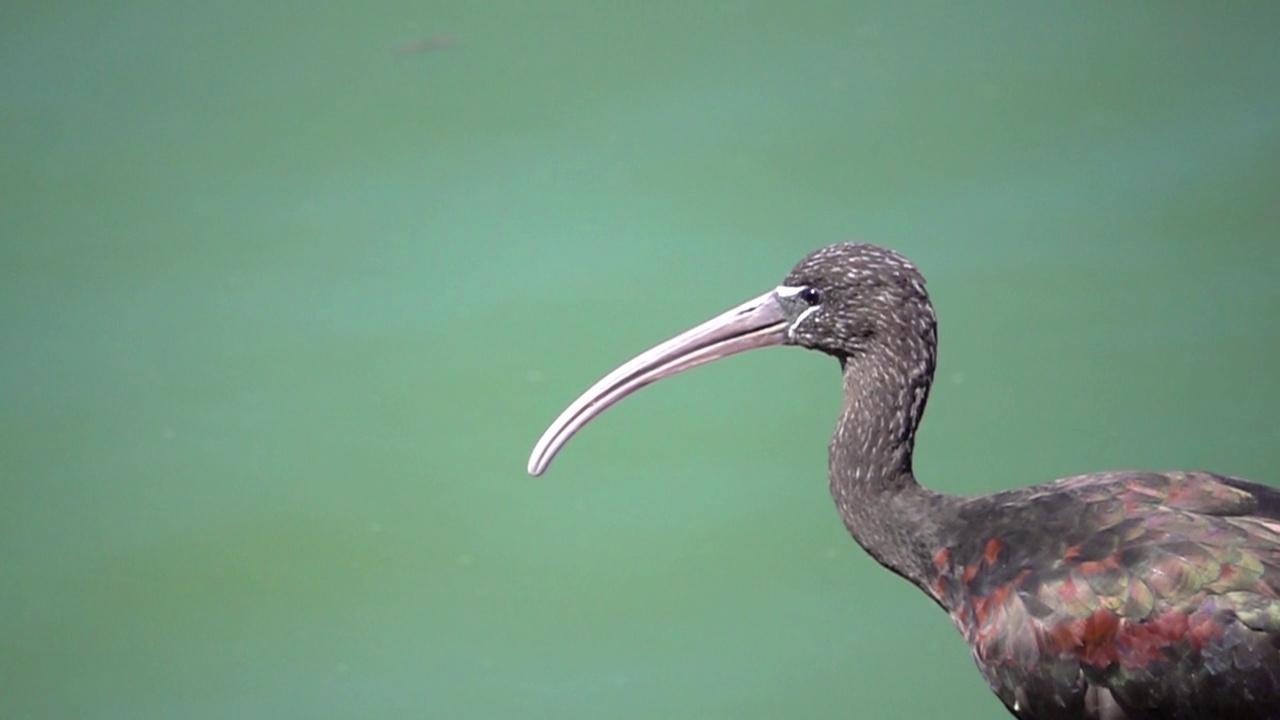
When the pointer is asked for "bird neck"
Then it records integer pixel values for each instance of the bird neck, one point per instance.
(885, 510)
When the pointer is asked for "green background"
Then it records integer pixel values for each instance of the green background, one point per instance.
(283, 310)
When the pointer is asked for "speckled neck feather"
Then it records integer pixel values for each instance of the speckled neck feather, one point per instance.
(887, 376)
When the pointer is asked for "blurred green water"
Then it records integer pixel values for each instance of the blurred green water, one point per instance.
(282, 312)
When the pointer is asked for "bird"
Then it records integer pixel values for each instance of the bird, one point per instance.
(1119, 595)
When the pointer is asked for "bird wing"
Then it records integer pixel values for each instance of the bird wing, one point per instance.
(1124, 595)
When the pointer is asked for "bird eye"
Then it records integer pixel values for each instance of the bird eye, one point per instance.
(810, 296)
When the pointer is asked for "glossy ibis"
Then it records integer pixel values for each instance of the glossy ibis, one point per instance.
(1114, 595)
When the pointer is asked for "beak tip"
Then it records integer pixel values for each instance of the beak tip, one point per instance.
(536, 466)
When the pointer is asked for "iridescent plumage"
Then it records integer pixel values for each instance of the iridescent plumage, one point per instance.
(1151, 593)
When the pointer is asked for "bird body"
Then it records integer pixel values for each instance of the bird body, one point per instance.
(1112, 596)
(1120, 595)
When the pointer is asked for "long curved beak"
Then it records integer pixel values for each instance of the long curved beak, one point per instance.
(755, 323)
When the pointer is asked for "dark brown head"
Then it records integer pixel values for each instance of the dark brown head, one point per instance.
(859, 298)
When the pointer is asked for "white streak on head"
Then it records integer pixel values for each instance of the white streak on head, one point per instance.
(787, 291)
(807, 311)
